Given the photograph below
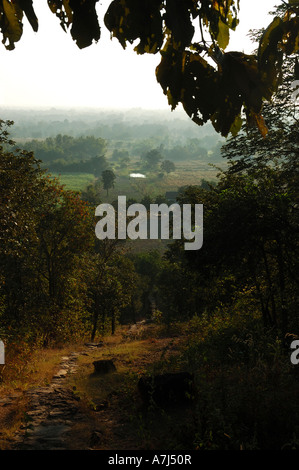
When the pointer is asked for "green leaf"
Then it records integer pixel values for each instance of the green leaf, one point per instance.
(85, 27)
(260, 122)
(169, 74)
(291, 36)
(271, 36)
(178, 21)
(14, 28)
(236, 126)
(129, 20)
(270, 57)
(68, 10)
(223, 34)
(26, 6)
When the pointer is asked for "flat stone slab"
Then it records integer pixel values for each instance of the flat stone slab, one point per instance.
(94, 345)
(60, 373)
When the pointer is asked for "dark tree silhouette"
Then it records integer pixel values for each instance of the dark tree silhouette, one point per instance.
(108, 178)
(167, 166)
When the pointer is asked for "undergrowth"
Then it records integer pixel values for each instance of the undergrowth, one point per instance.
(246, 386)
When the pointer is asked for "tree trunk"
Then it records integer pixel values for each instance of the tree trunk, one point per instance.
(283, 306)
(270, 285)
(113, 323)
(95, 318)
(94, 328)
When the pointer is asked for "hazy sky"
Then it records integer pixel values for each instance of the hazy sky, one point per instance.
(47, 69)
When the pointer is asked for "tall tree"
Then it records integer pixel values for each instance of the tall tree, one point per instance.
(167, 166)
(273, 161)
(110, 280)
(108, 178)
(250, 239)
(248, 149)
(44, 229)
(152, 158)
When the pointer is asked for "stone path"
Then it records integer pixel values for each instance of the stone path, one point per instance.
(53, 410)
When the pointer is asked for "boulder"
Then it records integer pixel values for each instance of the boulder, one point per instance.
(164, 389)
(104, 366)
(94, 345)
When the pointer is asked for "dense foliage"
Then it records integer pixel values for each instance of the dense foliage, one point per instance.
(46, 233)
(64, 153)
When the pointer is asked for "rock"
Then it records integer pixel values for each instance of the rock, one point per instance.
(101, 406)
(171, 388)
(104, 366)
(94, 345)
(96, 438)
(60, 374)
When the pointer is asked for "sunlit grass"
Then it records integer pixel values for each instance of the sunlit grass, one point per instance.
(30, 369)
(186, 173)
(75, 181)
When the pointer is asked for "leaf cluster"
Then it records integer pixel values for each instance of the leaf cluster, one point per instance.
(189, 35)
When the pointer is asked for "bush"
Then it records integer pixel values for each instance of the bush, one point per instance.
(246, 389)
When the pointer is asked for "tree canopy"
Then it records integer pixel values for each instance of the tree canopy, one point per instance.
(190, 35)
(65, 153)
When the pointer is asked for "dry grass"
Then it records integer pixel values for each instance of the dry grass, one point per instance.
(114, 413)
(22, 371)
(187, 173)
(11, 417)
(33, 369)
(111, 406)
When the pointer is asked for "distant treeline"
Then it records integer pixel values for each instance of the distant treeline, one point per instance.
(192, 150)
(65, 153)
(113, 125)
(136, 131)
(205, 149)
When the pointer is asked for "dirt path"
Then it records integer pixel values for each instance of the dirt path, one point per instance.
(52, 412)
(56, 419)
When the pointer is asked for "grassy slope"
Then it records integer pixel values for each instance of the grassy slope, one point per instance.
(75, 181)
(112, 403)
(237, 405)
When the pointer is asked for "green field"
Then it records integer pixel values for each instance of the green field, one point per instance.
(75, 181)
(186, 173)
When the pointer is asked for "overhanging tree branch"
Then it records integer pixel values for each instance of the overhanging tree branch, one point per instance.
(245, 82)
